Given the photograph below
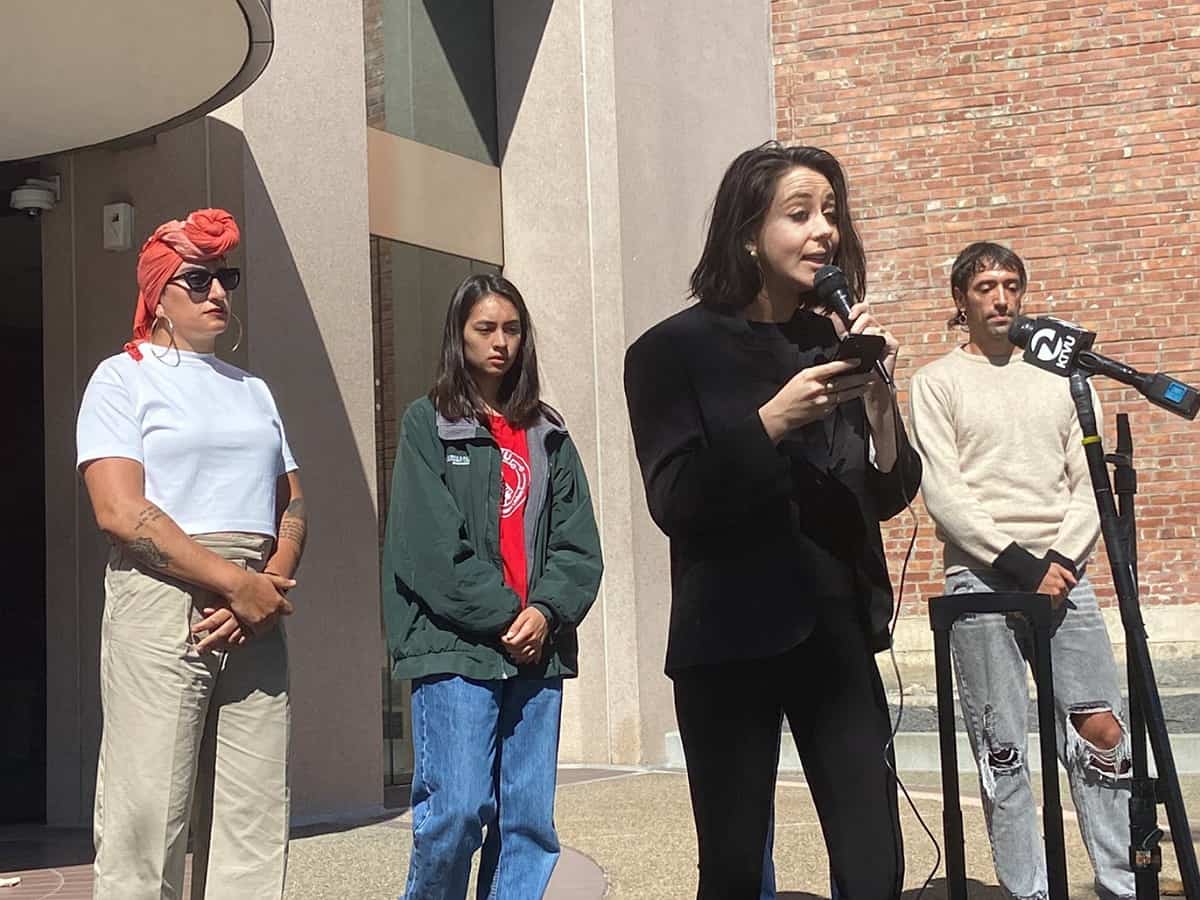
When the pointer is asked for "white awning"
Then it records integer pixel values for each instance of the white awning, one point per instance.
(78, 74)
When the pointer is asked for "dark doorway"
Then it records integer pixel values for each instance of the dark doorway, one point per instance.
(22, 513)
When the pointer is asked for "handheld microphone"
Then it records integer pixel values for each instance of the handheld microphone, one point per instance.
(1061, 347)
(834, 293)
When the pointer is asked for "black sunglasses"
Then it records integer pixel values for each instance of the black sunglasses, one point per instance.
(200, 280)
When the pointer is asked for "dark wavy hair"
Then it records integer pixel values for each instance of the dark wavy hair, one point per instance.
(727, 276)
(976, 258)
(454, 392)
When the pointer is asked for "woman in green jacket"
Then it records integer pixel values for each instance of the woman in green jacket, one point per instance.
(491, 561)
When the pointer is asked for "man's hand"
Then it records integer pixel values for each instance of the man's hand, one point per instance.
(259, 598)
(221, 630)
(526, 636)
(1057, 582)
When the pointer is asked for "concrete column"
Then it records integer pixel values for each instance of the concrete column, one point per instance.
(309, 291)
(616, 122)
(694, 89)
(560, 251)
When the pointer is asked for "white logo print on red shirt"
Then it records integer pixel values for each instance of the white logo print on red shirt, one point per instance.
(515, 474)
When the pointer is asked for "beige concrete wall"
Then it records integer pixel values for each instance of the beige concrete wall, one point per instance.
(616, 121)
(560, 251)
(694, 89)
(291, 165)
(425, 196)
(307, 251)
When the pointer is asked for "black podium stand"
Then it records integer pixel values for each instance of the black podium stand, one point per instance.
(1037, 610)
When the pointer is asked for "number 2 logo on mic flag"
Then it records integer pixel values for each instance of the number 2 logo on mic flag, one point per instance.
(1051, 346)
(1045, 344)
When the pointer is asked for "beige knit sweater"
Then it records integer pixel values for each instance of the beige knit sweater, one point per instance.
(1003, 460)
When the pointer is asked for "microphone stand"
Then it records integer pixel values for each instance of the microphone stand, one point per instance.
(1145, 706)
(1145, 854)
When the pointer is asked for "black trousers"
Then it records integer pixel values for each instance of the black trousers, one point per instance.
(729, 720)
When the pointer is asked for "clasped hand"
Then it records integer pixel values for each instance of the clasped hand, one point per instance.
(253, 608)
(1057, 583)
(525, 638)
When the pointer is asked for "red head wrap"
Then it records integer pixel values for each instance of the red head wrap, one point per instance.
(205, 235)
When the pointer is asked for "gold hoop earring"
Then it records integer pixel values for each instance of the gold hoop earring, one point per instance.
(163, 317)
(241, 332)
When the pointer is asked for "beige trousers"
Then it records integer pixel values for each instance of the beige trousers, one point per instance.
(190, 742)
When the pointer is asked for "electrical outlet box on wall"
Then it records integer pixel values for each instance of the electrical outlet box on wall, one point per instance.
(118, 226)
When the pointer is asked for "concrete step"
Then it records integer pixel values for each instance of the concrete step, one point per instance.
(1181, 709)
(917, 751)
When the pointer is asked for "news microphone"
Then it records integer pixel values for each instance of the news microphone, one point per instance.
(1050, 343)
(1062, 347)
(834, 293)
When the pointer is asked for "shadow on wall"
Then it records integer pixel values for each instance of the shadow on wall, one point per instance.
(337, 615)
(523, 25)
(472, 62)
(469, 33)
(308, 388)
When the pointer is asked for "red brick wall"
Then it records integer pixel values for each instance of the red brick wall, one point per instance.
(387, 427)
(381, 276)
(373, 62)
(1067, 130)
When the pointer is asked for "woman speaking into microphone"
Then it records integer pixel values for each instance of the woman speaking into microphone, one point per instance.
(769, 465)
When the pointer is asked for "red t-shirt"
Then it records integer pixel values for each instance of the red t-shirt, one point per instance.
(514, 476)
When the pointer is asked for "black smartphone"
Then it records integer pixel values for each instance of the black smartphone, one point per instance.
(867, 348)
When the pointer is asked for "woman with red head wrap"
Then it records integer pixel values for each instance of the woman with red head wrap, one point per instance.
(175, 248)
(190, 475)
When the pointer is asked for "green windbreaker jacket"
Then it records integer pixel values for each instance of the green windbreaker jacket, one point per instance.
(445, 603)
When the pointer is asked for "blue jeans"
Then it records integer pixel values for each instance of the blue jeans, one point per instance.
(990, 654)
(485, 755)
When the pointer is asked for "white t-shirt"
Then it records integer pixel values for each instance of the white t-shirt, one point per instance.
(207, 434)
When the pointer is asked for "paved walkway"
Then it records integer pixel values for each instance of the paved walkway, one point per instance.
(626, 834)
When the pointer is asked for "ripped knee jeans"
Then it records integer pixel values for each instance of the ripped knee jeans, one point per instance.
(991, 658)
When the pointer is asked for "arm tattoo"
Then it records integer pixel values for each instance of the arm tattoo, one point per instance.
(293, 524)
(148, 516)
(148, 552)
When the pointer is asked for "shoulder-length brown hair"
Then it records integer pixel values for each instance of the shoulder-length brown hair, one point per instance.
(727, 276)
(454, 393)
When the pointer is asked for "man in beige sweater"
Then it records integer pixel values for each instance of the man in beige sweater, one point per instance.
(1007, 485)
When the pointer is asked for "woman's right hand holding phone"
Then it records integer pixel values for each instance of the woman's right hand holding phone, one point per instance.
(811, 394)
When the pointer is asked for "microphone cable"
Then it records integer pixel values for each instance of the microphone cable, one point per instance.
(889, 749)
